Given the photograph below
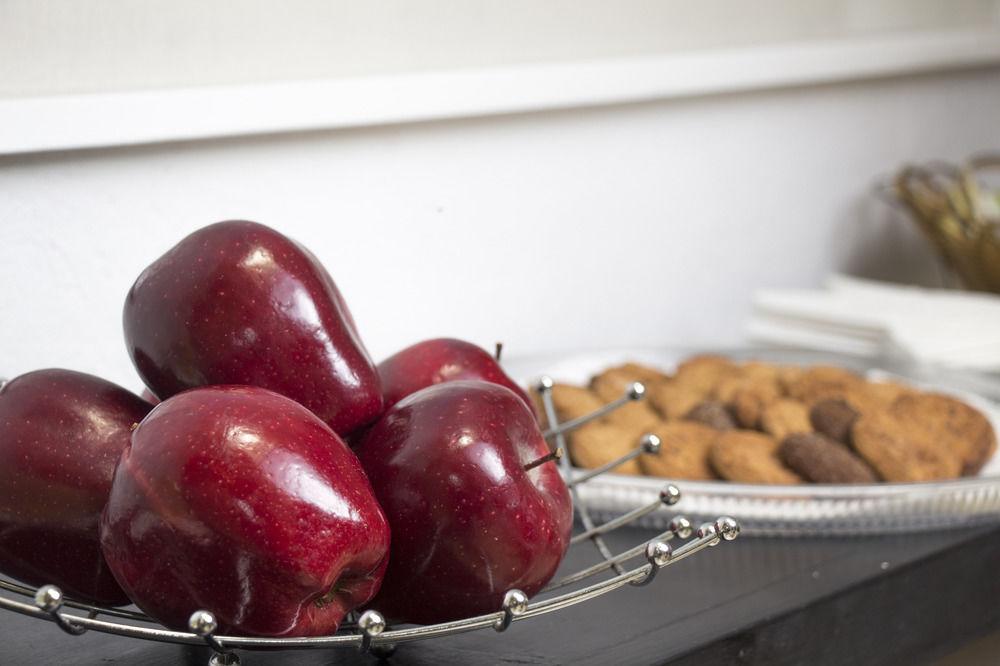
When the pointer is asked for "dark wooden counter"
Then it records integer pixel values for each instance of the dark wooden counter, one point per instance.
(889, 600)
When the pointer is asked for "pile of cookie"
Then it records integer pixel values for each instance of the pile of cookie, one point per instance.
(756, 422)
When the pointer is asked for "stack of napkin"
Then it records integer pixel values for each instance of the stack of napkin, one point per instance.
(932, 327)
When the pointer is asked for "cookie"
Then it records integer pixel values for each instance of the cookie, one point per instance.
(672, 400)
(703, 372)
(900, 451)
(636, 372)
(683, 453)
(785, 417)
(572, 402)
(611, 385)
(749, 403)
(822, 382)
(712, 413)
(886, 393)
(596, 444)
(789, 375)
(834, 418)
(749, 457)
(760, 371)
(727, 388)
(952, 424)
(819, 459)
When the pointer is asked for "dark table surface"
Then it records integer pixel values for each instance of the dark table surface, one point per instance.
(897, 599)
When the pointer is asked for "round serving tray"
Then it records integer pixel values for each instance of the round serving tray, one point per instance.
(808, 509)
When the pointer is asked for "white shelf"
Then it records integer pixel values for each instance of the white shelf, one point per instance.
(100, 120)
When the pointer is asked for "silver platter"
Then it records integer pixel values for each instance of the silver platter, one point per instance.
(806, 510)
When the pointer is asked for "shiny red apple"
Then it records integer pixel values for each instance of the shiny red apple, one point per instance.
(239, 501)
(440, 360)
(239, 303)
(471, 517)
(61, 433)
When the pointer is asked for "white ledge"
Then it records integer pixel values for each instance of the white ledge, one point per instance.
(38, 124)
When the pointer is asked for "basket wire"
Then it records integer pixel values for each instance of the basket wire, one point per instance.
(370, 632)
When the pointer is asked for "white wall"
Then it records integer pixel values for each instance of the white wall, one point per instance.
(50, 47)
(645, 224)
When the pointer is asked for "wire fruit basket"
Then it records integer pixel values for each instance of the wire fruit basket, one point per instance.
(369, 631)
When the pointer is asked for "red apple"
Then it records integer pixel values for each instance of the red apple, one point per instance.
(440, 360)
(61, 433)
(470, 520)
(239, 303)
(239, 501)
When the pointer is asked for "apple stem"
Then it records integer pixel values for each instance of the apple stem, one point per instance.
(499, 350)
(548, 457)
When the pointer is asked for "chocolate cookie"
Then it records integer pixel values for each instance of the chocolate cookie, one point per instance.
(834, 418)
(596, 444)
(952, 424)
(749, 457)
(712, 413)
(899, 451)
(819, 459)
(683, 453)
(785, 417)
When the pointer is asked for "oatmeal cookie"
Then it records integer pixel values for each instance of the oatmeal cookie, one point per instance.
(683, 453)
(784, 417)
(611, 385)
(822, 381)
(701, 373)
(596, 444)
(950, 423)
(901, 452)
(672, 400)
(749, 457)
(749, 403)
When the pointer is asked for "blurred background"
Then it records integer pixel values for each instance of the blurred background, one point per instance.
(552, 174)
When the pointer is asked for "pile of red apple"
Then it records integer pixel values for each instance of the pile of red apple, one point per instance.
(239, 493)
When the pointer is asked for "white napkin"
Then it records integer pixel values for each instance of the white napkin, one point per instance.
(939, 327)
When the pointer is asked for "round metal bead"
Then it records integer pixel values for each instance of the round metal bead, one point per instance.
(223, 659)
(636, 390)
(681, 527)
(650, 443)
(515, 601)
(670, 494)
(545, 383)
(49, 598)
(372, 623)
(707, 529)
(202, 623)
(727, 528)
(659, 552)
